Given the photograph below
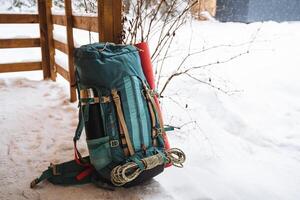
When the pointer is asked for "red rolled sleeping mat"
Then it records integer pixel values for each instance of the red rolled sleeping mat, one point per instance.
(148, 72)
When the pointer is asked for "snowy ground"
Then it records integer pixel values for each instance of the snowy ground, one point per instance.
(243, 145)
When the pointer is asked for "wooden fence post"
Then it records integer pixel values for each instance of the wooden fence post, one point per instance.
(50, 39)
(109, 20)
(68, 12)
(44, 39)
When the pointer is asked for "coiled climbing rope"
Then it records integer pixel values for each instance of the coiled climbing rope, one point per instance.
(123, 174)
(176, 157)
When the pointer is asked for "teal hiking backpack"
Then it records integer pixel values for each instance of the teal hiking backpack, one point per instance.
(124, 132)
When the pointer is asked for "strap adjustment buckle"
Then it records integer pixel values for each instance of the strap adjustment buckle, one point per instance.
(115, 95)
(153, 93)
(105, 99)
(158, 131)
(114, 143)
(87, 93)
(54, 169)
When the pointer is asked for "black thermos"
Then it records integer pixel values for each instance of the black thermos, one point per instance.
(94, 125)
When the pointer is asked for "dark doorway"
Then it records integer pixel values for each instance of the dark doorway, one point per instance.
(258, 10)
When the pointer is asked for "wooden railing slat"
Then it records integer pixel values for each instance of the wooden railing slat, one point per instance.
(18, 18)
(19, 43)
(88, 23)
(17, 67)
(62, 71)
(59, 19)
(61, 46)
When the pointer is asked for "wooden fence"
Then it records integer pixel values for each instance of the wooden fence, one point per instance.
(107, 24)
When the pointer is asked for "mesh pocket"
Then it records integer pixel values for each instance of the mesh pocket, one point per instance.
(100, 154)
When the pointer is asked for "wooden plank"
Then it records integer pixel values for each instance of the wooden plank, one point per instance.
(88, 23)
(117, 21)
(18, 18)
(105, 20)
(62, 71)
(17, 67)
(50, 39)
(19, 43)
(44, 39)
(61, 46)
(70, 40)
(59, 19)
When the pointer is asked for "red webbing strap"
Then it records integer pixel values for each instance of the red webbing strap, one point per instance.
(88, 171)
(78, 157)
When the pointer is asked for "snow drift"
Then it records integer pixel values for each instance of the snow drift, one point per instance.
(244, 144)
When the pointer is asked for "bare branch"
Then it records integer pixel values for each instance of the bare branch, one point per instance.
(167, 37)
(228, 92)
(178, 73)
(183, 125)
(167, 34)
(153, 18)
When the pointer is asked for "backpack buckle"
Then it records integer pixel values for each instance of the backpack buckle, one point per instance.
(85, 101)
(158, 131)
(54, 169)
(87, 93)
(114, 143)
(105, 99)
(153, 93)
(143, 91)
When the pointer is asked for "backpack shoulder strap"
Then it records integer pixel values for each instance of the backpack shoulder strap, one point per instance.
(70, 173)
(67, 173)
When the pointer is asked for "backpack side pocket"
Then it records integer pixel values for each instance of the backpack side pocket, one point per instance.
(100, 154)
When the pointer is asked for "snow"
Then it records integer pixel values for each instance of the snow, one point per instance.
(23, 31)
(25, 6)
(21, 54)
(61, 59)
(247, 146)
(81, 37)
(243, 144)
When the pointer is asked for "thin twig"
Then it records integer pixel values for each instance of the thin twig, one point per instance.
(153, 18)
(167, 34)
(228, 92)
(178, 73)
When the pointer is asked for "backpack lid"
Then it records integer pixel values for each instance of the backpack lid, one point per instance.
(105, 64)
